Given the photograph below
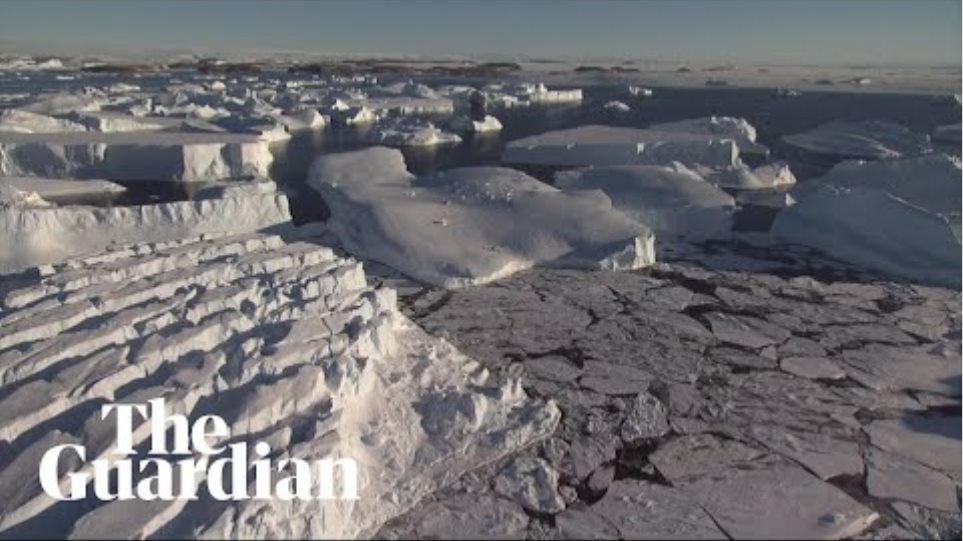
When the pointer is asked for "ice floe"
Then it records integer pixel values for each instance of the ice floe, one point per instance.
(409, 132)
(672, 200)
(868, 140)
(470, 225)
(896, 216)
(608, 145)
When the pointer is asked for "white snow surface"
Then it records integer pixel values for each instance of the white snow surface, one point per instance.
(608, 145)
(672, 200)
(470, 225)
(866, 140)
(900, 217)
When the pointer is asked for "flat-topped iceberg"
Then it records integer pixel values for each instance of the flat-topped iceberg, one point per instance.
(900, 217)
(672, 200)
(867, 140)
(155, 156)
(470, 225)
(609, 145)
(737, 129)
(32, 236)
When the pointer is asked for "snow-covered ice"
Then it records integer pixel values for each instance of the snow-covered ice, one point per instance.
(195, 321)
(464, 124)
(868, 140)
(897, 216)
(672, 200)
(608, 145)
(159, 155)
(470, 225)
(737, 129)
(409, 132)
(32, 236)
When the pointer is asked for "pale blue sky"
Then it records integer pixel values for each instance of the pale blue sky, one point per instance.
(792, 31)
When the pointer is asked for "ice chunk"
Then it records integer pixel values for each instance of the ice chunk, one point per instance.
(737, 129)
(616, 106)
(33, 236)
(464, 124)
(607, 145)
(470, 225)
(868, 139)
(898, 216)
(156, 156)
(407, 131)
(672, 200)
(20, 121)
(53, 189)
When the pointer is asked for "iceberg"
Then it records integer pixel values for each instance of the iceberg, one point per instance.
(464, 124)
(409, 132)
(737, 129)
(673, 200)
(31, 236)
(154, 156)
(608, 145)
(899, 217)
(617, 106)
(867, 140)
(470, 225)
(22, 121)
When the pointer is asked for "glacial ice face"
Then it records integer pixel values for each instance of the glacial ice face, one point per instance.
(282, 339)
(672, 200)
(899, 217)
(161, 155)
(868, 140)
(470, 225)
(32, 236)
(607, 145)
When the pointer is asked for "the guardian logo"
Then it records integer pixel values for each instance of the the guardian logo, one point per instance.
(195, 455)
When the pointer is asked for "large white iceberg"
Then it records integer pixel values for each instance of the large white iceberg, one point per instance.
(470, 225)
(609, 145)
(901, 217)
(867, 140)
(158, 155)
(672, 200)
(33, 236)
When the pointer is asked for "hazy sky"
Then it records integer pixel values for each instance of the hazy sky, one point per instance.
(793, 31)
